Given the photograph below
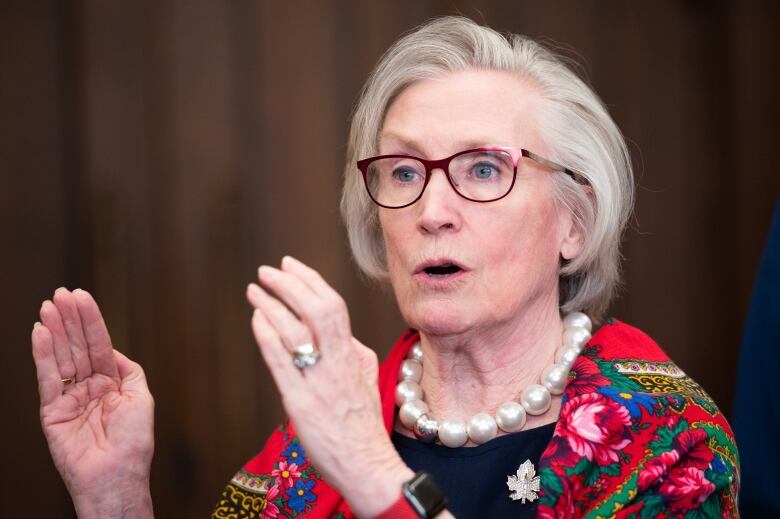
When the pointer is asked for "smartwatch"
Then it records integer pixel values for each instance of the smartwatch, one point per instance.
(424, 495)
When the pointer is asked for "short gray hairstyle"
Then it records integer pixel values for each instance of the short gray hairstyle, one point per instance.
(574, 124)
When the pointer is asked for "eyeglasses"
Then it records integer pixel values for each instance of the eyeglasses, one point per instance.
(480, 175)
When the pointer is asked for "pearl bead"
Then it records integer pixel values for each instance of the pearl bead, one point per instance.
(425, 428)
(410, 411)
(510, 416)
(453, 433)
(410, 370)
(482, 428)
(576, 336)
(554, 378)
(536, 399)
(577, 319)
(567, 355)
(407, 390)
(416, 352)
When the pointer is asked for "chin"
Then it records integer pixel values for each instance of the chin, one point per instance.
(439, 317)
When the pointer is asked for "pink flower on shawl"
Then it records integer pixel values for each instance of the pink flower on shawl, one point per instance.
(286, 474)
(587, 376)
(672, 421)
(686, 488)
(270, 510)
(596, 427)
(692, 444)
(656, 467)
(559, 454)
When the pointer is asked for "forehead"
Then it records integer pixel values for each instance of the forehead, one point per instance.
(462, 109)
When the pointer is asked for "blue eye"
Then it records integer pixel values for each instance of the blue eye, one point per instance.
(484, 171)
(405, 174)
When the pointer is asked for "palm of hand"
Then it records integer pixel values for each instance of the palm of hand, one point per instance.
(100, 428)
(95, 426)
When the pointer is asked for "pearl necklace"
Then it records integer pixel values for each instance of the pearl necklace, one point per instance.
(510, 416)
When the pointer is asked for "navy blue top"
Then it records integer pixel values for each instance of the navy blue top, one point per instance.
(757, 407)
(474, 478)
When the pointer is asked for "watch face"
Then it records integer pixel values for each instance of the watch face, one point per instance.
(425, 495)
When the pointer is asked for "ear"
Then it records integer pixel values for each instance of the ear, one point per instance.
(572, 237)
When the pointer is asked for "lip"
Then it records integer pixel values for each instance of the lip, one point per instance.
(439, 283)
(420, 269)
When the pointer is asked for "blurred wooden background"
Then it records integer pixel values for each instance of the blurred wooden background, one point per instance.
(156, 152)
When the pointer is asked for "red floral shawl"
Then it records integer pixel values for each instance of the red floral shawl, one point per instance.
(636, 437)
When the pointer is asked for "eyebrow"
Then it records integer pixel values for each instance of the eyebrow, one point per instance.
(462, 145)
(406, 143)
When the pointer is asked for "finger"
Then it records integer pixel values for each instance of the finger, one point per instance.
(309, 276)
(287, 377)
(315, 282)
(326, 317)
(98, 341)
(131, 374)
(289, 328)
(52, 319)
(312, 279)
(49, 378)
(66, 304)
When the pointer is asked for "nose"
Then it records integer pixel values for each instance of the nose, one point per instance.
(439, 205)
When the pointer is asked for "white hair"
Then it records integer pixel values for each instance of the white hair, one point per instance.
(573, 123)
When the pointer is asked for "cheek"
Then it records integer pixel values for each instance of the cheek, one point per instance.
(392, 234)
(529, 247)
(388, 237)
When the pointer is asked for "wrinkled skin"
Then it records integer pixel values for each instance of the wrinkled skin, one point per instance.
(100, 427)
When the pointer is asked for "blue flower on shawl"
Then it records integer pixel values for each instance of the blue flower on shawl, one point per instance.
(300, 494)
(631, 400)
(717, 465)
(294, 453)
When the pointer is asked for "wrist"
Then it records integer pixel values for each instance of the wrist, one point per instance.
(421, 497)
(132, 502)
(371, 499)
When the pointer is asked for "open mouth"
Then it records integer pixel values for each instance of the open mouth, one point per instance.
(445, 269)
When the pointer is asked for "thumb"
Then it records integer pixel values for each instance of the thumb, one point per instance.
(131, 374)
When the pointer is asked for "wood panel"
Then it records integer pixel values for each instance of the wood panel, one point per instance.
(156, 152)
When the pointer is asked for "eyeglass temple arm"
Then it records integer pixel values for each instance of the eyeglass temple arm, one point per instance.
(577, 177)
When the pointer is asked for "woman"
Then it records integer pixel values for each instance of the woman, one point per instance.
(490, 190)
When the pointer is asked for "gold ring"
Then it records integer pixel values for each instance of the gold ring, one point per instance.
(68, 381)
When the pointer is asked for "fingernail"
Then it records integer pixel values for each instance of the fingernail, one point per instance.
(266, 271)
(253, 289)
(36, 325)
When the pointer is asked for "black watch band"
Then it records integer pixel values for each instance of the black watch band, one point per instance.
(424, 495)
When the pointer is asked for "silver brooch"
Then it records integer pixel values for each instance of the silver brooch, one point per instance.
(525, 485)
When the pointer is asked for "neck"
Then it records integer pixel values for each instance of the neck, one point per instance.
(479, 370)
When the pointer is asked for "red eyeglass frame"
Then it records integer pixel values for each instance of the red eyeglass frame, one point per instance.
(444, 165)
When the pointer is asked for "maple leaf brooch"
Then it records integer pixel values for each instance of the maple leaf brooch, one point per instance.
(525, 485)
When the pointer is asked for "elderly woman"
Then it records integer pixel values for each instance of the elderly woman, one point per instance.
(489, 186)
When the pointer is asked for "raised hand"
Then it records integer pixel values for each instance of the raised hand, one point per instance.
(334, 404)
(96, 410)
